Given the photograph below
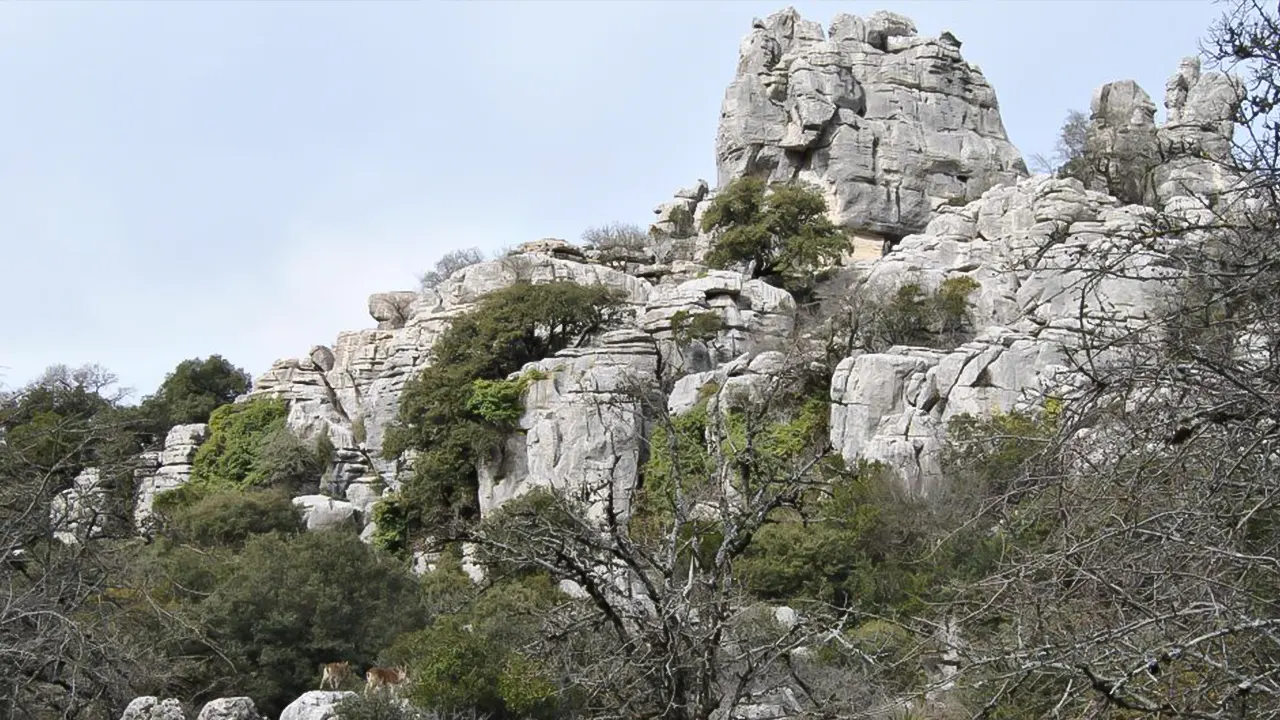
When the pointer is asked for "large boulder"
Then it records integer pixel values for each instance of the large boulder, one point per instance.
(153, 708)
(315, 705)
(888, 123)
(233, 708)
(321, 512)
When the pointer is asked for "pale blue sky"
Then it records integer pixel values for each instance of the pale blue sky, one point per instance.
(181, 178)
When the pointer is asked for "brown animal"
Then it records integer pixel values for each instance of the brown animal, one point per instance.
(384, 677)
(334, 673)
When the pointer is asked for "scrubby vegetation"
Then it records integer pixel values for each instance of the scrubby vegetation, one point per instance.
(782, 233)
(1113, 555)
(455, 413)
(448, 264)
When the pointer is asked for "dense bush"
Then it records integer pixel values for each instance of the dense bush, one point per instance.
(456, 411)
(378, 706)
(250, 446)
(782, 231)
(480, 658)
(909, 315)
(285, 604)
(229, 517)
(192, 392)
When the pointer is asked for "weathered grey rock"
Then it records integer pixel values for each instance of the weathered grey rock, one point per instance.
(166, 470)
(81, 512)
(1186, 157)
(322, 357)
(320, 512)
(358, 397)
(887, 123)
(315, 705)
(392, 309)
(1031, 248)
(363, 495)
(153, 708)
(583, 425)
(233, 708)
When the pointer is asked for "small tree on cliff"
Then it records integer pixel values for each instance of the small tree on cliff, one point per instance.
(782, 231)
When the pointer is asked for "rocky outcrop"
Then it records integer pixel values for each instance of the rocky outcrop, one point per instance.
(583, 427)
(234, 708)
(1139, 162)
(167, 469)
(320, 512)
(315, 705)
(80, 512)
(357, 397)
(1052, 262)
(890, 124)
(153, 708)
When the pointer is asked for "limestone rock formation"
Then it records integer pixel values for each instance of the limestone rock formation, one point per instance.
(890, 124)
(165, 470)
(153, 708)
(315, 705)
(233, 708)
(80, 512)
(1140, 162)
(1032, 249)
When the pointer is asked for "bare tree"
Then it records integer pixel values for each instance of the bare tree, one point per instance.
(73, 637)
(663, 627)
(1143, 568)
(448, 264)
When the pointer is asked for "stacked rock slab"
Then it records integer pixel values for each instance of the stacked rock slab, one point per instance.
(1036, 251)
(80, 512)
(165, 470)
(1185, 157)
(890, 124)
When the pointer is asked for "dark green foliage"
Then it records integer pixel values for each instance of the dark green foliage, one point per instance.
(475, 660)
(452, 418)
(228, 517)
(688, 327)
(284, 605)
(865, 545)
(63, 422)
(909, 316)
(249, 446)
(192, 392)
(782, 230)
(391, 519)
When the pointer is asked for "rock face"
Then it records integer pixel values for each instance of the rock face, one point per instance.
(315, 705)
(80, 512)
(889, 123)
(1031, 248)
(165, 470)
(153, 708)
(1149, 164)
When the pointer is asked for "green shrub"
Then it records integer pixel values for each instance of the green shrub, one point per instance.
(469, 661)
(783, 229)
(227, 518)
(237, 434)
(192, 392)
(687, 327)
(456, 411)
(286, 604)
(391, 525)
